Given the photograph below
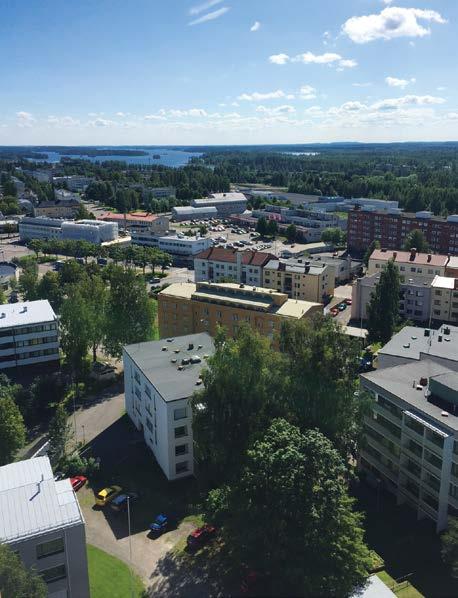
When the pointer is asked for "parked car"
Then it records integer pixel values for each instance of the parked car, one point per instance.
(106, 495)
(155, 280)
(102, 261)
(80, 260)
(200, 536)
(120, 502)
(347, 301)
(334, 312)
(159, 525)
(78, 482)
(342, 306)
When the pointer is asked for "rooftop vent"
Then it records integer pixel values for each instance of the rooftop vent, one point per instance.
(427, 332)
(419, 387)
(406, 346)
(190, 346)
(241, 286)
(179, 368)
(439, 338)
(446, 331)
(176, 350)
(24, 309)
(199, 346)
(423, 381)
(3, 315)
(444, 413)
(414, 338)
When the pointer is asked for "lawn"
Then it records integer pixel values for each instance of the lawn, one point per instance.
(109, 577)
(402, 590)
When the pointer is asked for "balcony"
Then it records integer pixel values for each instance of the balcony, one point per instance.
(386, 471)
(372, 423)
(381, 448)
(389, 415)
(408, 431)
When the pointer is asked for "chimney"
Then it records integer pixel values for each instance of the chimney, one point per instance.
(429, 257)
(395, 254)
(413, 253)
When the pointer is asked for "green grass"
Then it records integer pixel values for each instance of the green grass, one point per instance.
(109, 577)
(403, 590)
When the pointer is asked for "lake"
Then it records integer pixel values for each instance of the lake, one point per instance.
(168, 157)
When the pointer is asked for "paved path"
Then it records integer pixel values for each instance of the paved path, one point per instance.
(100, 416)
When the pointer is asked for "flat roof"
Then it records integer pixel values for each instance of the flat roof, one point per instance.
(453, 262)
(296, 267)
(154, 359)
(411, 343)
(417, 258)
(26, 313)
(133, 216)
(445, 282)
(32, 503)
(398, 381)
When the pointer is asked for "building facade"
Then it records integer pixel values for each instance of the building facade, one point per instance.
(444, 306)
(299, 279)
(58, 208)
(28, 334)
(181, 246)
(391, 230)
(188, 308)
(184, 213)
(157, 223)
(410, 263)
(159, 379)
(74, 182)
(92, 231)
(39, 228)
(219, 264)
(225, 203)
(42, 522)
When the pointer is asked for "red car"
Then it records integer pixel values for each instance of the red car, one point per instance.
(334, 312)
(347, 301)
(200, 536)
(78, 482)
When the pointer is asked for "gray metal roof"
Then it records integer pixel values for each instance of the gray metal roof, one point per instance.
(297, 267)
(32, 503)
(399, 382)
(411, 343)
(26, 313)
(156, 363)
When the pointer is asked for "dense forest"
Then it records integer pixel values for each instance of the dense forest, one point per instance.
(418, 175)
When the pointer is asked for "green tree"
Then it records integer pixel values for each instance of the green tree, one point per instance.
(416, 239)
(261, 226)
(3, 299)
(59, 435)
(130, 313)
(95, 295)
(289, 516)
(75, 329)
(242, 392)
(36, 245)
(383, 307)
(28, 280)
(15, 580)
(370, 250)
(449, 548)
(291, 233)
(49, 288)
(333, 235)
(272, 228)
(12, 429)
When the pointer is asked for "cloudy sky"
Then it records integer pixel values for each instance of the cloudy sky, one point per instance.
(227, 71)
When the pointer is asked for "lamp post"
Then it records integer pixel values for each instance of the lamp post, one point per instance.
(130, 546)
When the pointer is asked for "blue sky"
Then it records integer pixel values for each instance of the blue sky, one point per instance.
(227, 71)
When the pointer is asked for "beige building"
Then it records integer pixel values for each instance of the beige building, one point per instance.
(58, 209)
(188, 308)
(299, 279)
(444, 299)
(411, 264)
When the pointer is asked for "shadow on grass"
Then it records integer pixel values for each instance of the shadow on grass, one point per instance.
(408, 547)
(126, 461)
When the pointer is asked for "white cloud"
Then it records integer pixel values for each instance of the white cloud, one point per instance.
(307, 92)
(24, 119)
(402, 83)
(121, 114)
(101, 122)
(329, 58)
(211, 16)
(390, 23)
(387, 1)
(368, 84)
(452, 115)
(63, 121)
(196, 10)
(280, 110)
(408, 100)
(256, 26)
(154, 117)
(260, 97)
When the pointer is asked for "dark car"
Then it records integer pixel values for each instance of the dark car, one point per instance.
(159, 525)
(120, 502)
(200, 536)
(342, 306)
(102, 261)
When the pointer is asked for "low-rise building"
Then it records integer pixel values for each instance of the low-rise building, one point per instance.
(188, 308)
(299, 279)
(411, 446)
(219, 264)
(184, 213)
(225, 203)
(159, 379)
(74, 182)
(92, 231)
(343, 268)
(156, 223)
(65, 208)
(42, 522)
(182, 246)
(444, 306)
(39, 228)
(28, 334)
(410, 263)
(65, 195)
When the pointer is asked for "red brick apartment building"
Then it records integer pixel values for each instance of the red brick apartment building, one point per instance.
(391, 229)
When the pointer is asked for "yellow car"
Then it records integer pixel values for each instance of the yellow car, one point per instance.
(106, 495)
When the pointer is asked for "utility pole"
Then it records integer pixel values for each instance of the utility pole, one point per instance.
(130, 546)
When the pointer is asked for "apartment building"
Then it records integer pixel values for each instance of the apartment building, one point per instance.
(342, 269)
(444, 306)
(219, 264)
(160, 377)
(64, 195)
(414, 298)
(299, 279)
(412, 431)
(42, 521)
(186, 308)
(58, 208)
(28, 334)
(410, 263)
(74, 182)
(225, 203)
(391, 228)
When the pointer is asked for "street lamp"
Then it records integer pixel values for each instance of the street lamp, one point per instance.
(130, 546)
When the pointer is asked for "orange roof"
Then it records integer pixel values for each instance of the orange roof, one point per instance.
(414, 257)
(132, 217)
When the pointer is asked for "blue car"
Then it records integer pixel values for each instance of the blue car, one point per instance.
(159, 525)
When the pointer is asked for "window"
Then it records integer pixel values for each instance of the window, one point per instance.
(137, 377)
(181, 467)
(149, 425)
(181, 449)
(179, 413)
(49, 548)
(181, 431)
(54, 573)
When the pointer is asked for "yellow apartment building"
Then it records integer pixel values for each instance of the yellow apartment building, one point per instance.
(189, 308)
(299, 279)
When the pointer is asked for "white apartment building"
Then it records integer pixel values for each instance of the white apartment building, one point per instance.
(159, 379)
(64, 195)
(444, 306)
(94, 231)
(28, 334)
(179, 245)
(216, 264)
(42, 521)
(75, 182)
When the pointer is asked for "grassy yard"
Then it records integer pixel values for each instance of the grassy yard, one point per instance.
(401, 590)
(110, 577)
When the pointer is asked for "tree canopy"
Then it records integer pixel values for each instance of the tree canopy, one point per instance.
(15, 580)
(12, 428)
(383, 308)
(416, 239)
